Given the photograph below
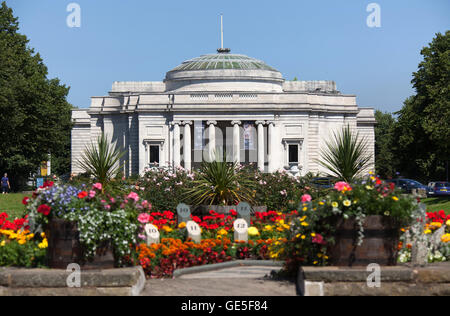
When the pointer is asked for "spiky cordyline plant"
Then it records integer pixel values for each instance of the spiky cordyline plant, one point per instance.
(101, 160)
(345, 155)
(218, 183)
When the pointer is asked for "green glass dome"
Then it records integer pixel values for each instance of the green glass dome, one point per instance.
(223, 61)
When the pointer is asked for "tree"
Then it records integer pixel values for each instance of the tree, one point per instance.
(423, 128)
(35, 116)
(102, 160)
(345, 155)
(385, 161)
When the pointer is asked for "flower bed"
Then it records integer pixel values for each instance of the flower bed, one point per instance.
(18, 246)
(438, 250)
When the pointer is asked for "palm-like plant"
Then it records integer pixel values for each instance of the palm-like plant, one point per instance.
(101, 160)
(218, 183)
(345, 155)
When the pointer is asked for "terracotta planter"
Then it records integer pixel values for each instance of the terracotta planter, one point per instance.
(381, 237)
(64, 248)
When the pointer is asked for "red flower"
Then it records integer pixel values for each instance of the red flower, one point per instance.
(44, 209)
(82, 194)
(48, 184)
(25, 200)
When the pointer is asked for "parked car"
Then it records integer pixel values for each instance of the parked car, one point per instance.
(323, 182)
(438, 188)
(407, 185)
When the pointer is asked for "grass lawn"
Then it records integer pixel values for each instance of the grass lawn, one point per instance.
(12, 204)
(436, 204)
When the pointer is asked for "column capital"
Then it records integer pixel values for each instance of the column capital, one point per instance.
(260, 122)
(173, 123)
(187, 122)
(271, 123)
(236, 123)
(211, 122)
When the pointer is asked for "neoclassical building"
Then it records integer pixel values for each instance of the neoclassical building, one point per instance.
(221, 103)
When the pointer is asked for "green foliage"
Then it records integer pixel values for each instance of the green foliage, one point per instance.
(34, 113)
(101, 160)
(345, 155)
(218, 183)
(165, 189)
(423, 128)
(28, 255)
(385, 160)
(279, 190)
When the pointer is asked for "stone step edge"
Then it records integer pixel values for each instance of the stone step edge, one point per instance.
(130, 278)
(229, 264)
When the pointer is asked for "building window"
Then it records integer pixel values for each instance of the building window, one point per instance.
(293, 154)
(154, 154)
(293, 150)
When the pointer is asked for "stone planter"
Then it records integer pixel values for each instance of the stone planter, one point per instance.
(381, 237)
(204, 209)
(64, 248)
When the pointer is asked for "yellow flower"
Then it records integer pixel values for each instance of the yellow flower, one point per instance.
(253, 231)
(182, 225)
(368, 187)
(222, 232)
(395, 198)
(305, 209)
(435, 225)
(445, 238)
(313, 235)
(427, 232)
(167, 229)
(305, 224)
(448, 223)
(43, 244)
(22, 241)
(43, 235)
(315, 262)
(303, 237)
(268, 228)
(303, 219)
(321, 203)
(3, 243)
(347, 203)
(335, 204)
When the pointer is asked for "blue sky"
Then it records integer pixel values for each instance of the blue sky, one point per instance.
(137, 40)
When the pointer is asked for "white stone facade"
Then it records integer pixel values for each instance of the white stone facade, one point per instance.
(203, 106)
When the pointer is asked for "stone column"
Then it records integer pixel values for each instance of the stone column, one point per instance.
(236, 142)
(212, 140)
(147, 155)
(260, 125)
(176, 145)
(271, 147)
(187, 145)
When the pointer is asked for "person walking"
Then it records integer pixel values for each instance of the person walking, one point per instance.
(5, 184)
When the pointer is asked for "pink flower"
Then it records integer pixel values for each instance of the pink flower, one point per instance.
(133, 196)
(107, 207)
(98, 186)
(92, 194)
(143, 237)
(318, 239)
(112, 200)
(306, 198)
(144, 218)
(342, 186)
